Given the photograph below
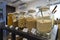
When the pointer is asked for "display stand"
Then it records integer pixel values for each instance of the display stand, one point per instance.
(14, 32)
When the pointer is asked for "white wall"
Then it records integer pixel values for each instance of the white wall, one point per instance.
(34, 4)
(57, 14)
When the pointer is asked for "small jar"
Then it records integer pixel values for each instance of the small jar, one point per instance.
(9, 19)
(30, 22)
(21, 20)
(15, 20)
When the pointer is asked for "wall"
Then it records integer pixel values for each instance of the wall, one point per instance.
(33, 4)
(3, 6)
(57, 14)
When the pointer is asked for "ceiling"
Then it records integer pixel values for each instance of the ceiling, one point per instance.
(18, 2)
(25, 4)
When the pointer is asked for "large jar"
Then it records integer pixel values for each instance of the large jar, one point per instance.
(44, 24)
(44, 27)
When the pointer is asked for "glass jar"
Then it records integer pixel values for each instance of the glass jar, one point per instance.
(30, 22)
(15, 20)
(44, 24)
(9, 19)
(21, 20)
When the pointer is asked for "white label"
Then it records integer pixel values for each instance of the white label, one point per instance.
(14, 20)
(48, 34)
(24, 39)
(10, 33)
(11, 26)
(9, 39)
(16, 28)
(25, 30)
(33, 30)
(17, 35)
(6, 25)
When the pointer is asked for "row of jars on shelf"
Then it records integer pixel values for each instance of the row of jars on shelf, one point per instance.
(28, 21)
(21, 21)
